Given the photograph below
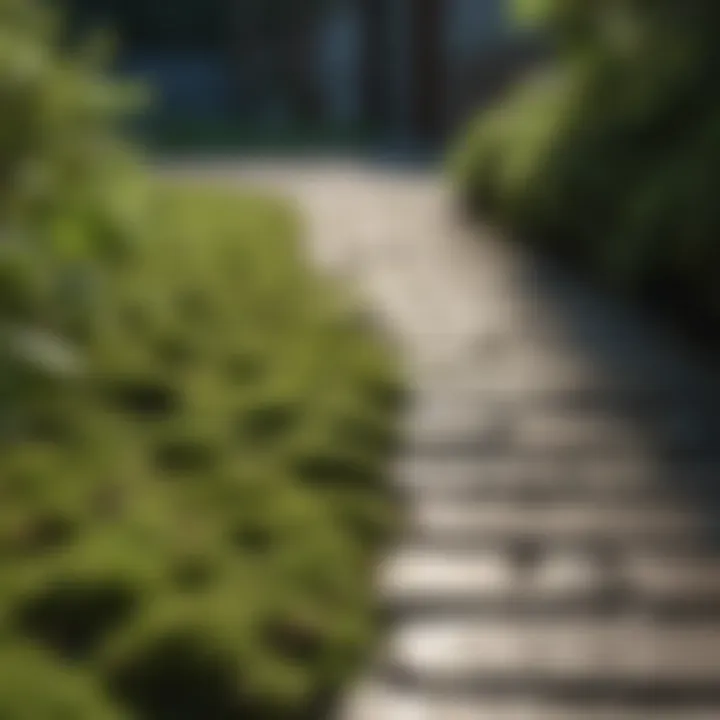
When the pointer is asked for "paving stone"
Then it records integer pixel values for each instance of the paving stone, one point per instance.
(552, 433)
(498, 521)
(387, 703)
(476, 425)
(542, 479)
(505, 478)
(449, 650)
(494, 582)
(571, 575)
(459, 652)
(657, 576)
(419, 576)
(673, 430)
(566, 580)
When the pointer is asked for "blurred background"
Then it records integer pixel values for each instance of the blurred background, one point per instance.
(239, 72)
(196, 427)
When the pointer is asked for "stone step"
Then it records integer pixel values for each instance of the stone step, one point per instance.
(453, 383)
(496, 444)
(481, 426)
(533, 370)
(478, 423)
(380, 701)
(452, 522)
(674, 432)
(550, 480)
(630, 656)
(426, 580)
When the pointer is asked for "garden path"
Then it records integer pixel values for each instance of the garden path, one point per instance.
(559, 561)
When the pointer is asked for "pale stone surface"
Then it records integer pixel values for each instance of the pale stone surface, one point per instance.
(675, 578)
(571, 574)
(565, 577)
(417, 575)
(499, 520)
(448, 423)
(551, 433)
(539, 480)
(451, 650)
(456, 651)
(391, 705)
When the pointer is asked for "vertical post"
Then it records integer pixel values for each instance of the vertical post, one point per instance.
(400, 69)
(428, 68)
(238, 46)
(302, 79)
(376, 62)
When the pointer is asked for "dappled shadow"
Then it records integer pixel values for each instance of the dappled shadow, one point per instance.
(651, 381)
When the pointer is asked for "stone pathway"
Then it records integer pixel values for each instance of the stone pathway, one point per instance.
(559, 562)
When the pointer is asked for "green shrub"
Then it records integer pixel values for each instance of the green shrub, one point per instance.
(72, 198)
(36, 687)
(609, 156)
(194, 428)
(250, 475)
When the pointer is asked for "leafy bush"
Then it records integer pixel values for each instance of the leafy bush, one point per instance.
(223, 455)
(195, 432)
(609, 155)
(72, 198)
(36, 687)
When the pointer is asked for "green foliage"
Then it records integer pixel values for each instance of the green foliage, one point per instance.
(72, 196)
(610, 155)
(35, 687)
(530, 11)
(207, 517)
(59, 152)
(194, 433)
